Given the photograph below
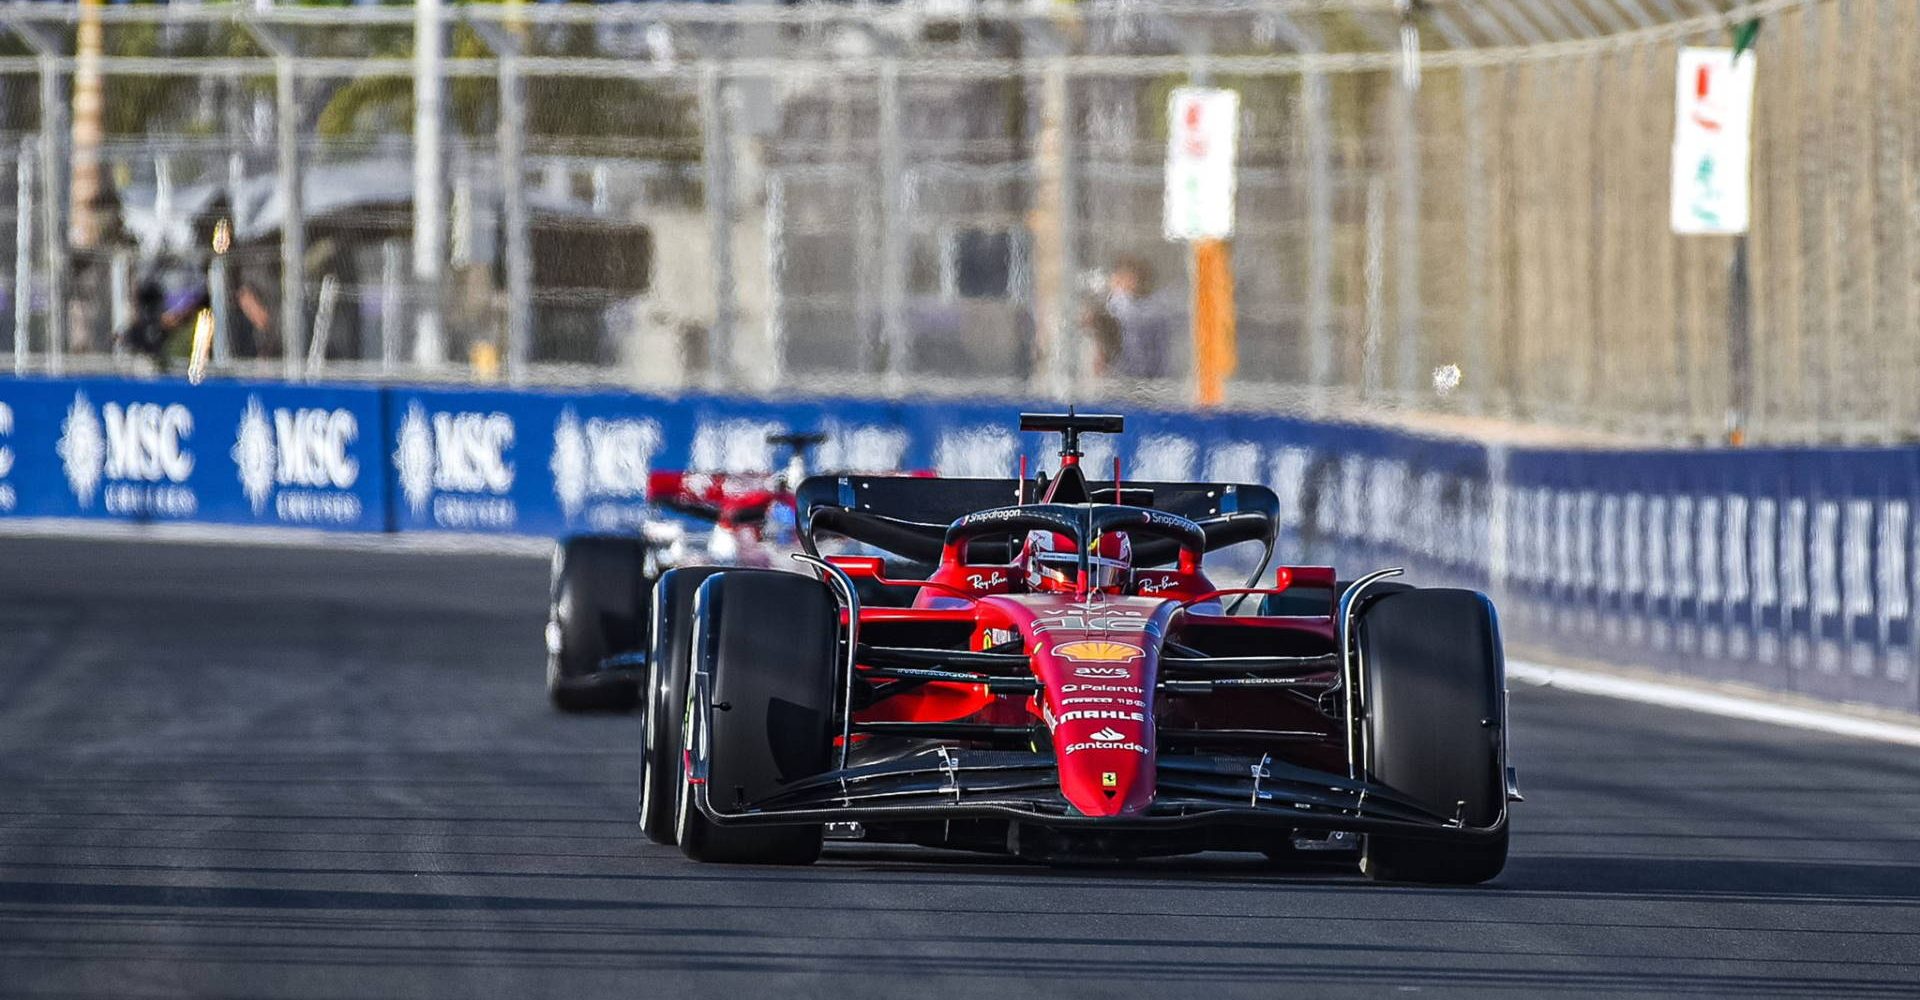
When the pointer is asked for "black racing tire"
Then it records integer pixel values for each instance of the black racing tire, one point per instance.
(665, 698)
(599, 609)
(1433, 707)
(769, 642)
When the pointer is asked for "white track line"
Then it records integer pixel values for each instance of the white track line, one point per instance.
(1732, 706)
(1652, 692)
(428, 542)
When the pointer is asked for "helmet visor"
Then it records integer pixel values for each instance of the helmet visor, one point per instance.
(1061, 571)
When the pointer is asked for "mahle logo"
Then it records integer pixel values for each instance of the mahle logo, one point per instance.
(300, 447)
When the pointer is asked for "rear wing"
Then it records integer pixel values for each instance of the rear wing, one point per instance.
(908, 516)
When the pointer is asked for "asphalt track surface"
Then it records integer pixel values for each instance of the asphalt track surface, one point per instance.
(246, 772)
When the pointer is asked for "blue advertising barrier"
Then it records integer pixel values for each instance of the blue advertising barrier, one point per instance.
(1792, 569)
(237, 453)
(1789, 569)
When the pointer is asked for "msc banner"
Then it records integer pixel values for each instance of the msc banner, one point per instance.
(163, 451)
(1792, 569)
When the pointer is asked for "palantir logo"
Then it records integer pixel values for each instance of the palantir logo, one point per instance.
(82, 449)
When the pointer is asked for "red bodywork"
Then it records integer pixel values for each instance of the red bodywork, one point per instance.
(1096, 657)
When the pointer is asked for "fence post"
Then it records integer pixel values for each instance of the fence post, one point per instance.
(429, 209)
(392, 302)
(1056, 375)
(120, 290)
(219, 284)
(776, 210)
(293, 217)
(511, 138)
(217, 290)
(716, 154)
(1375, 279)
(1479, 375)
(53, 223)
(1322, 366)
(893, 237)
(23, 258)
(1406, 253)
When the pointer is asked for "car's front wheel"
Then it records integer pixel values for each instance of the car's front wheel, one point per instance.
(1433, 708)
(664, 699)
(768, 643)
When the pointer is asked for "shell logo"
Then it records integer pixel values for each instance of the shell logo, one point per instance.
(1098, 651)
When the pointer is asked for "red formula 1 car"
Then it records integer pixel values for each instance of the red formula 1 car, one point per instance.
(1067, 683)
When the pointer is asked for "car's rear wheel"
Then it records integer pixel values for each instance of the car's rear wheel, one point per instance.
(769, 644)
(598, 610)
(1433, 709)
(665, 699)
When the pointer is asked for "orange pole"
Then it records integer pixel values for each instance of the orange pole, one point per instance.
(1215, 352)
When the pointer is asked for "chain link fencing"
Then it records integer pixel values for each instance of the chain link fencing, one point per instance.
(1458, 212)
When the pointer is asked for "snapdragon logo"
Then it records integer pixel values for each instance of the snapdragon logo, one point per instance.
(455, 465)
(301, 460)
(8, 498)
(597, 463)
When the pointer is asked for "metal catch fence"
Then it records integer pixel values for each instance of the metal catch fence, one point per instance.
(1443, 207)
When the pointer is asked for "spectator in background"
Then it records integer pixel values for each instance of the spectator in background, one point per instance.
(1143, 325)
(162, 323)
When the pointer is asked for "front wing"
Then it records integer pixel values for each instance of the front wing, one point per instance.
(946, 784)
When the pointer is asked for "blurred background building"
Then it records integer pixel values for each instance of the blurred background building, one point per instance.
(1448, 210)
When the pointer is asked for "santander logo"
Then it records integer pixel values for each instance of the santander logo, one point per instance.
(1107, 735)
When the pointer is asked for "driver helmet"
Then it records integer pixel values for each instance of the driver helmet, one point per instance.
(1052, 562)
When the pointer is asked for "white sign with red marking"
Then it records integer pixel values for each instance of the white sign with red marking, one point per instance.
(1712, 131)
(1203, 127)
